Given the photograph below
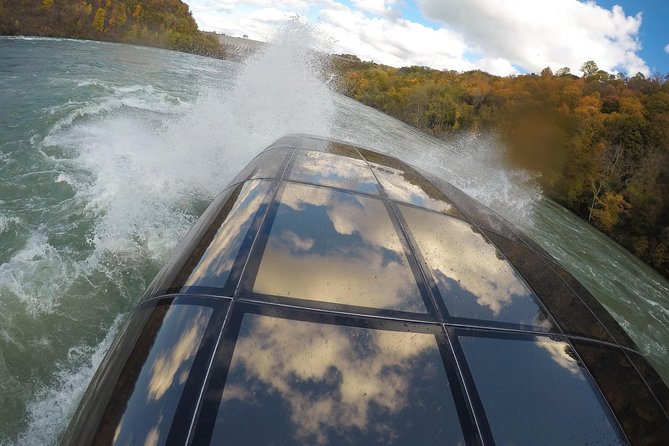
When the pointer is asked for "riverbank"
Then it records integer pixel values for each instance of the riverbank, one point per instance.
(160, 24)
(599, 142)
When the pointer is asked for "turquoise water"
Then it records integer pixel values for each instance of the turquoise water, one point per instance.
(108, 153)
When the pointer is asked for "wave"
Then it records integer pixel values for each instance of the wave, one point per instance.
(55, 39)
(143, 160)
(36, 275)
(53, 406)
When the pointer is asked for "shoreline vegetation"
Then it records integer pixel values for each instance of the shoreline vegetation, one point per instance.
(600, 142)
(157, 23)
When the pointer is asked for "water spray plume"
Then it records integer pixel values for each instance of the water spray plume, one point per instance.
(142, 165)
(142, 162)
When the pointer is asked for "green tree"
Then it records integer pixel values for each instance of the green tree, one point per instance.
(564, 71)
(589, 68)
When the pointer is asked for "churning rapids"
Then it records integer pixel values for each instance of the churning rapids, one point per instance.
(109, 153)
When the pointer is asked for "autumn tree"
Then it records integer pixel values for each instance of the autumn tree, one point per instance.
(599, 142)
(162, 23)
(99, 20)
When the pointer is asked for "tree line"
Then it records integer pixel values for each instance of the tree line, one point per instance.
(159, 23)
(599, 141)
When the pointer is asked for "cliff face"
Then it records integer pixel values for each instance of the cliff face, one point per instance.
(161, 23)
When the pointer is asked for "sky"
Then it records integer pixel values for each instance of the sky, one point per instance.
(502, 37)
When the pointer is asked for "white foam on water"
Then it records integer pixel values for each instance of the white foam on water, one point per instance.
(7, 223)
(64, 178)
(148, 175)
(36, 274)
(474, 163)
(50, 411)
(143, 178)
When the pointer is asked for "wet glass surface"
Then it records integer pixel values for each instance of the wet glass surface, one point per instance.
(306, 383)
(309, 142)
(147, 394)
(287, 141)
(416, 190)
(334, 171)
(612, 326)
(653, 380)
(336, 247)
(265, 165)
(475, 211)
(473, 278)
(189, 244)
(212, 262)
(569, 311)
(534, 391)
(387, 161)
(638, 412)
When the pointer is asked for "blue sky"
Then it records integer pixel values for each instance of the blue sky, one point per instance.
(654, 32)
(501, 37)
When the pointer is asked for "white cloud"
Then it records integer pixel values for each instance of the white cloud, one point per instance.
(497, 37)
(394, 42)
(534, 34)
(379, 7)
(496, 65)
(383, 38)
(666, 48)
(256, 18)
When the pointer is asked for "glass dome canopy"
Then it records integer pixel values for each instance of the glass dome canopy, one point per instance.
(335, 295)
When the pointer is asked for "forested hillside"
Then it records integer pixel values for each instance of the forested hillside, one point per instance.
(600, 142)
(161, 23)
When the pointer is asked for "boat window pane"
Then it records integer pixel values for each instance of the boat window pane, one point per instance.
(476, 212)
(332, 170)
(535, 391)
(641, 413)
(560, 300)
(166, 277)
(336, 247)
(265, 165)
(211, 262)
(307, 142)
(150, 387)
(305, 383)
(473, 278)
(414, 189)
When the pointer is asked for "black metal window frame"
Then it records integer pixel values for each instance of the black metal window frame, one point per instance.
(240, 286)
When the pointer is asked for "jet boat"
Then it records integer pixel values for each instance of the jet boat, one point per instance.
(334, 295)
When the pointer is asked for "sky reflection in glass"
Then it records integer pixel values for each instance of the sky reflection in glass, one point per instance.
(305, 383)
(534, 391)
(335, 171)
(407, 188)
(474, 279)
(336, 247)
(155, 394)
(213, 268)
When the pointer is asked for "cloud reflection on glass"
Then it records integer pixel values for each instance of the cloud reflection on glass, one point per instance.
(336, 247)
(156, 392)
(474, 279)
(334, 171)
(402, 186)
(295, 382)
(213, 268)
(529, 400)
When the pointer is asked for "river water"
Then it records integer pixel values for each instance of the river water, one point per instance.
(109, 153)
